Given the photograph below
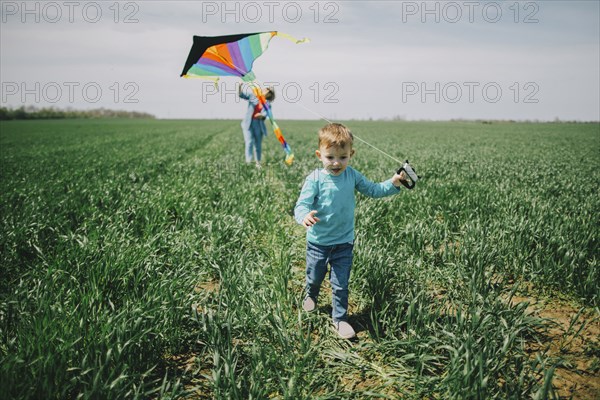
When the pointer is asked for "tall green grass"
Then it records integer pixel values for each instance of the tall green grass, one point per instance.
(127, 244)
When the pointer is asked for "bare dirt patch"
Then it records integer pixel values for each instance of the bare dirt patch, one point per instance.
(572, 340)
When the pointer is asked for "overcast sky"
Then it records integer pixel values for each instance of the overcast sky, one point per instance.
(525, 60)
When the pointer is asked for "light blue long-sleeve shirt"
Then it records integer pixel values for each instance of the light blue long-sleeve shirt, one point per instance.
(333, 199)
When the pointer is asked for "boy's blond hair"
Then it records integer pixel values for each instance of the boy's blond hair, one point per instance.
(335, 134)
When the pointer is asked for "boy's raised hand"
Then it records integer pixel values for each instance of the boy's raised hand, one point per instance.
(397, 179)
(310, 219)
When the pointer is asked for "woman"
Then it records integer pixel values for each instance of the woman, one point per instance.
(253, 124)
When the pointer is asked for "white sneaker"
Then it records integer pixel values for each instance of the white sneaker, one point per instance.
(345, 330)
(309, 305)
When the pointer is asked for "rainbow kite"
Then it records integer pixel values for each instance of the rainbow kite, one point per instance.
(233, 55)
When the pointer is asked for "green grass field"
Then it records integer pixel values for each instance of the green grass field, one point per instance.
(143, 259)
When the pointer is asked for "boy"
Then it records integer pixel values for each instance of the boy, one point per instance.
(326, 208)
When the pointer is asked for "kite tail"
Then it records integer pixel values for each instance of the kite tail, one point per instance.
(289, 159)
(291, 38)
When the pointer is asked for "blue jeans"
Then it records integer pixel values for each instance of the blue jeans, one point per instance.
(253, 140)
(339, 257)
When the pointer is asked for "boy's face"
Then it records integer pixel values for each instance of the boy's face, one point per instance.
(335, 158)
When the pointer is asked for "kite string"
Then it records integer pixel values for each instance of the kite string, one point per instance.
(257, 84)
(353, 134)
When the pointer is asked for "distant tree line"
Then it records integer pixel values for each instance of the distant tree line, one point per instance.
(32, 112)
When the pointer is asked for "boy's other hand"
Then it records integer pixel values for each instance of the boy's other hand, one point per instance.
(310, 219)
